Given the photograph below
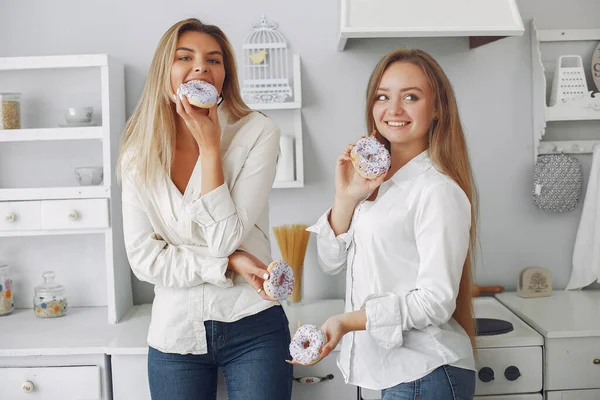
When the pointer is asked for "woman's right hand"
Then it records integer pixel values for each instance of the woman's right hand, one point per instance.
(349, 185)
(251, 269)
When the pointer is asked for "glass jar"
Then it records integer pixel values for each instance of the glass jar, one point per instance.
(10, 111)
(49, 299)
(7, 302)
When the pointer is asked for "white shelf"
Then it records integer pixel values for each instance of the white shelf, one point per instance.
(567, 112)
(25, 135)
(276, 106)
(585, 109)
(80, 192)
(74, 61)
(51, 233)
(83, 330)
(568, 146)
(287, 184)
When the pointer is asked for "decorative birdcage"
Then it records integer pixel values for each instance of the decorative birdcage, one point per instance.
(266, 70)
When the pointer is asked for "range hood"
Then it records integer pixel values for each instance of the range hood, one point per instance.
(483, 21)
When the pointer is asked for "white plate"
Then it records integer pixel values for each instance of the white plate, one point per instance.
(76, 124)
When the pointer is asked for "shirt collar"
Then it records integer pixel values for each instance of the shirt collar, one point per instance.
(223, 114)
(413, 168)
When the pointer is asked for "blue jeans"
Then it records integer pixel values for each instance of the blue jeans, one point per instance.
(251, 353)
(443, 383)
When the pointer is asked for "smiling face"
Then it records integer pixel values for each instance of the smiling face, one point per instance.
(197, 56)
(403, 108)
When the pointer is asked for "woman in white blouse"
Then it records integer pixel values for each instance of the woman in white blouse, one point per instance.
(196, 185)
(406, 240)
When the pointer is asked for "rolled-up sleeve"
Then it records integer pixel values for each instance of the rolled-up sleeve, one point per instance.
(442, 225)
(227, 214)
(332, 250)
(158, 262)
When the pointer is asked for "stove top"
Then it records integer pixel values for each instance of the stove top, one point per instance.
(521, 335)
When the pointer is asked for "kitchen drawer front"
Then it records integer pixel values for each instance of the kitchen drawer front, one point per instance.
(570, 363)
(65, 383)
(75, 214)
(593, 394)
(335, 388)
(20, 215)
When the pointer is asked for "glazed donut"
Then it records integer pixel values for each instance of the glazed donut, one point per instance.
(306, 345)
(281, 280)
(199, 93)
(370, 158)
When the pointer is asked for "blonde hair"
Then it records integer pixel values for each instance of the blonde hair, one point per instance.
(148, 142)
(448, 151)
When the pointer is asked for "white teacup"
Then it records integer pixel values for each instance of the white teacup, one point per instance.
(78, 115)
(87, 176)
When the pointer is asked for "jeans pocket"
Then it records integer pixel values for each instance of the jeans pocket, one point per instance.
(462, 382)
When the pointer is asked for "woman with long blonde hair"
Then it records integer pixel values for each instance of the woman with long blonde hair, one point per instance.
(196, 184)
(406, 239)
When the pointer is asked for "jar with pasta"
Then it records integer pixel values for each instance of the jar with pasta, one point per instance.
(7, 302)
(10, 110)
(49, 299)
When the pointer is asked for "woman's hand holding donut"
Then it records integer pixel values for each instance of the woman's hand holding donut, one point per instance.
(251, 269)
(204, 127)
(334, 329)
(349, 185)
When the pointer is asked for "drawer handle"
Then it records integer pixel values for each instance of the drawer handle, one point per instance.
(311, 380)
(27, 386)
(73, 216)
(596, 361)
(10, 217)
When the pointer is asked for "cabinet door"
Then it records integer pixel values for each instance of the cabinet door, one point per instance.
(593, 394)
(75, 214)
(130, 377)
(20, 216)
(65, 383)
(572, 363)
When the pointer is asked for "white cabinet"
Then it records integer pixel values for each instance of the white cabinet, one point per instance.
(48, 221)
(568, 321)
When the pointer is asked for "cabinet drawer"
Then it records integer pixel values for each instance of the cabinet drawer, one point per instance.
(20, 216)
(335, 388)
(570, 363)
(75, 214)
(64, 383)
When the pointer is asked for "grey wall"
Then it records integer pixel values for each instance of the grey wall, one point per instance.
(493, 86)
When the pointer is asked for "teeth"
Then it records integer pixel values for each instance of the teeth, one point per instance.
(393, 123)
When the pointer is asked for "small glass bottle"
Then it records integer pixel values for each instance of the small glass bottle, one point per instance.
(49, 299)
(10, 110)
(7, 302)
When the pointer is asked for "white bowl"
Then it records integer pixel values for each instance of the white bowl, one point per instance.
(79, 114)
(88, 176)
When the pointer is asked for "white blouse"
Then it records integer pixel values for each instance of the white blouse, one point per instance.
(180, 243)
(404, 254)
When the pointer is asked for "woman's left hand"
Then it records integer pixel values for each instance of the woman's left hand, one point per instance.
(204, 127)
(334, 329)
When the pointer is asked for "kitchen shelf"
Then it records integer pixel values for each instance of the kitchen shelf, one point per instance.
(287, 184)
(55, 193)
(586, 109)
(44, 62)
(53, 232)
(296, 109)
(25, 135)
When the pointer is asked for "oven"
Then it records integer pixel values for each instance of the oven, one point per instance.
(509, 356)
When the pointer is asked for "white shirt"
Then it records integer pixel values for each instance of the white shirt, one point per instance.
(404, 253)
(180, 243)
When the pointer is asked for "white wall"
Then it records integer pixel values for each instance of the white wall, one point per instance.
(493, 86)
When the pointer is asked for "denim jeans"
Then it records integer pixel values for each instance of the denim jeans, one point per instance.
(443, 383)
(251, 353)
